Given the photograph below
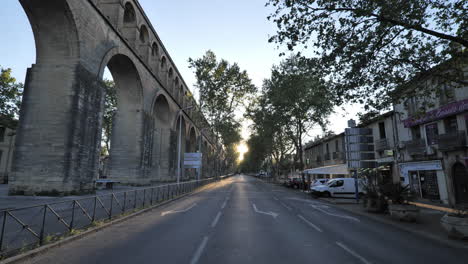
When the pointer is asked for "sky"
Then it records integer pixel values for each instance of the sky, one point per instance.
(237, 31)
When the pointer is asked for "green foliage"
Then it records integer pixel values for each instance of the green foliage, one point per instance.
(224, 88)
(292, 101)
(367, 49)
(110, 108)
(11, 94)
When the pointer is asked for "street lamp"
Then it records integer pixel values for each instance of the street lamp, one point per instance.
(179, 150)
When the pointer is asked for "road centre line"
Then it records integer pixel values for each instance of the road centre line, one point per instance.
(224, 204)
(352, 252)
(274, 197)
(285, 206)
(199, 251)
(310, 223)
(215, 221)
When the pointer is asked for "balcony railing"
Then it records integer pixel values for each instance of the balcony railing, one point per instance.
(452, 141)
(381, 144)
(416, 147)
(327, 156)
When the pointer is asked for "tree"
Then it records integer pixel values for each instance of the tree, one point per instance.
(110, 108)
(367, 49)
(224, 88)
(293, 100)
(11, 94)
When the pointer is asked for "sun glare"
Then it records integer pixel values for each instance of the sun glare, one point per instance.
(242, 149)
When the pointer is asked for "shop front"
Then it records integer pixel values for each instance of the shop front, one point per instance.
(426, 178)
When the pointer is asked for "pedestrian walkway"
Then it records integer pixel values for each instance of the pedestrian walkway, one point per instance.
(427, 225)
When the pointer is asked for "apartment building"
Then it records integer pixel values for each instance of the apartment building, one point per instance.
(325, 158)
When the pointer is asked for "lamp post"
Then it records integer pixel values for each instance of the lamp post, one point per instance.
(179, 148)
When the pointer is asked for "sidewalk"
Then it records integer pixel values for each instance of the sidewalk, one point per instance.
(427, 226)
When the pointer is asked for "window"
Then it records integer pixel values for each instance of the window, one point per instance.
(431, 134)
(338, 183)
(2, 134)
(382, 130)
(1, 152)
(143, 34)
(415, 132)
(337, 146)
(129, 14)
(328, 148)
(451, 125)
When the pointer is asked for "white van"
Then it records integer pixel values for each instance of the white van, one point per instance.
(339, 187)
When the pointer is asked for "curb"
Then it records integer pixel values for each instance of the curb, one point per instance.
(43, 249)
(421, 234)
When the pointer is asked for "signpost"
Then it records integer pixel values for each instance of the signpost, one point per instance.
(359, 150)
(193, 161)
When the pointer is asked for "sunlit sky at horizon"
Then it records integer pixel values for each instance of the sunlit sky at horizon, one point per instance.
(235, 30)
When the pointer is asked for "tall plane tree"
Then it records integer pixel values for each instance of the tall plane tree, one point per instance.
(11, 93)
(299, 99)
(368, 48)
(224, 88)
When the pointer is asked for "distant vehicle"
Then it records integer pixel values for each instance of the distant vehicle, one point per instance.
(295, 183)
(318, 182)
(261, 174)
(339, 187)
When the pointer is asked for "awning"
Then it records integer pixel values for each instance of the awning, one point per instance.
(334, 169)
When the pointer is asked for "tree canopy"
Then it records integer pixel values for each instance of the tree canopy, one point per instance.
(11, 94)
(291, 102)
(368, 48)
(224, 89)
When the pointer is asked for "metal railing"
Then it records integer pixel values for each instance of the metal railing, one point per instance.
(28, 227)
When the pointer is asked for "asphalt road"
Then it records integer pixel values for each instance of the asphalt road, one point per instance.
(243, 220)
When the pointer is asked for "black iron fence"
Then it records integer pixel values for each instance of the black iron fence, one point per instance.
(25, 228)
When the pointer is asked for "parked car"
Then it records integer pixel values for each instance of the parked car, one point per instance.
(318, 182)
(339, 187)
(295, 183)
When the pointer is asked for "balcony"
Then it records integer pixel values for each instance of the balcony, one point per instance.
(416, 147)
(381, 144)
(327, 156)
(338, 155)
(452, 141)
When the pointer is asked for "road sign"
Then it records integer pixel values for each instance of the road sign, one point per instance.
(193, 160)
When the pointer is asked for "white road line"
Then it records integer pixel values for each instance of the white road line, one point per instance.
(199, 251)
(178, 211)
(224, 204)
(275, 198)
(273, 214)
(350, 251)
(309, 223)
(285, 206)
(215, 221)
(336, 215)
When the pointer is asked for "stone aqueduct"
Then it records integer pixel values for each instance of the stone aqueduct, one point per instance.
(58, 139)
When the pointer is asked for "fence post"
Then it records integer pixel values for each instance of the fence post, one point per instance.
(41, 235)
(144, 197)
(73, 215)
(94, 209)
(111, 205)
(125, 202)
(135, 203)
(3, 230)
(151, 197)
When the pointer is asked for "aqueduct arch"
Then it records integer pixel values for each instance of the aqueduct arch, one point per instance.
(59, 134)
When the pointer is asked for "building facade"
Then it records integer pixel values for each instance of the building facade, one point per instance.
(325, 158)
